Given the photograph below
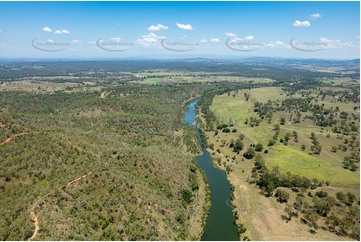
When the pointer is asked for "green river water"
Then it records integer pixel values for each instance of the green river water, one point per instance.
(220, 222)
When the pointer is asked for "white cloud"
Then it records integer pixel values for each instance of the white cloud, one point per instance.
(91, 42)
(184, 26)
(47, 29)
(335, 44)
(278, 44)
(50, 41)
(157, 27)
(75, 41)
(204, 41)
(249, 37)
(230, 34)
(299, 23)
(214, 40)
(315, 15)
(63, 31)
(116, 39)
(235, 39)
(150, 40)
(349, 44)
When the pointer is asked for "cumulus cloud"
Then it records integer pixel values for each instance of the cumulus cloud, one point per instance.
(230, 34)
(214, 40)
(75, 41)
(47, 29)
(235, 39)
(63, 31)
(150, 40)
(204, 41)
(157, 27)
(249, 37)
(315, 15)
(299, 23)
(184, 26)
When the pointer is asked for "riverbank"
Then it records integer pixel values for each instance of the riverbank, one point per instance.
(220, 190)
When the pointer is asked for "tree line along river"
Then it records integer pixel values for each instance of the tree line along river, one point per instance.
(220, 223)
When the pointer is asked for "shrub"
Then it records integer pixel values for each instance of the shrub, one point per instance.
(249, 154)
(186, 195)
(226, 130)
(259, 147)
(282, 196)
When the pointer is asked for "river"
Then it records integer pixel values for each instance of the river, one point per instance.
(220, 222)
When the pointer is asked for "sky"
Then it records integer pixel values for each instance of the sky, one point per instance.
(328, 30)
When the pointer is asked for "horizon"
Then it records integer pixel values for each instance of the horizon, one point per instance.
(306, 30)
(140, 58)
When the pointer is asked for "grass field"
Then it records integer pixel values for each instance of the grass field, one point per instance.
(184, 77)
(262, 216)
(153, 80)
(326, 166)
(312, 166)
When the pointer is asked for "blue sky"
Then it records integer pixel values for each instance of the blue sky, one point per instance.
(179, 29)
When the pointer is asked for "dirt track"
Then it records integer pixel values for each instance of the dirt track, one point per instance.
(9, 139)
(32, 209)
(74, 146)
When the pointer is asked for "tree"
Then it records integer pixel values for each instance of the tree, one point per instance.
(310, 217)
(282, 196)
(283, 121)
(259, 147)
(238, 146)
(350, 198)
(313, 135)
(250, 153)
(323, 205)
(298, 204)
(241, 136)
(259, 163)
(321, 194)
(271, 142)
(341, 197)
(303, 147)
(226, 130)
(241, 229)
(186, 195)
(289, 211)
(268, 182)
